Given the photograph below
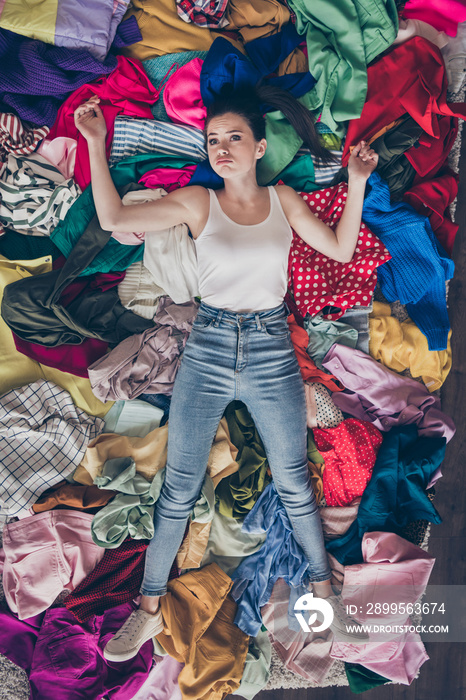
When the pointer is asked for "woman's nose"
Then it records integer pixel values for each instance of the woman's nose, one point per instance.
(223, 149)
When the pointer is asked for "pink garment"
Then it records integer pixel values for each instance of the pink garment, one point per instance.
(306, 654)
(385, 398)
(162, 682)
(182, 95)
(61, 152)
(126, 90)
(395, 570)
(444, 15)
(45, 554)
(168, 178)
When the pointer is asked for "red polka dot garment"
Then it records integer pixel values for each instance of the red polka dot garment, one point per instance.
(349, 451)
(317, 281)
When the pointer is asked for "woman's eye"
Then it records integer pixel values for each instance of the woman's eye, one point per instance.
(236, 137)
(212, 142)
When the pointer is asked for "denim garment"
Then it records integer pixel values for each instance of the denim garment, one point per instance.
(229, 356)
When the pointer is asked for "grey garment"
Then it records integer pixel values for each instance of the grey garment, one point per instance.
(324, 333)
(160, 68)
(256, 668)
(146, 363)
(358, 318)
(33, 310)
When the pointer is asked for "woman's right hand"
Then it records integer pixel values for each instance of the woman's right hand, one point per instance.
(90, 121)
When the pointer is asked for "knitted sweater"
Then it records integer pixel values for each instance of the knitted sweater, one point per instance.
(419, 267)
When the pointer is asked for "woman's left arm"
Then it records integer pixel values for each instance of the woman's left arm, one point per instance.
(338, 244)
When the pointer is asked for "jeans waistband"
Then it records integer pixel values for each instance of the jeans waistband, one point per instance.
(244, 318)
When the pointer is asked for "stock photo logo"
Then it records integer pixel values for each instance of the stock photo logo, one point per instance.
(307, 604)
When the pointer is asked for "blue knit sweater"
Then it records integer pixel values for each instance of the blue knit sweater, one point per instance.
(419, 267)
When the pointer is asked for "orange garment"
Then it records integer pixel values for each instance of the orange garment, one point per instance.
(74, 496)
(199, 631)
(309, 371)
(380, 132)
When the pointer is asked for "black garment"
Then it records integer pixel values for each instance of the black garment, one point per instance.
(32, 306)
(393, 165)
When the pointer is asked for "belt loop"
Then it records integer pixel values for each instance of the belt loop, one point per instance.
(258, 322)
(218, 319)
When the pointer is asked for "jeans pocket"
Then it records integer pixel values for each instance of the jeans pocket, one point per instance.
(277, 329)
(70, 655)
(202, 322)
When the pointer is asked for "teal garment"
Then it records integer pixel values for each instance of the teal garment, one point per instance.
(17, 246)
(361, 679)
(343, 37)
(323, 334)
(114, 256)
(160, 68)
(299, 174)
(228, 545)
(131, 512)
(256, 668)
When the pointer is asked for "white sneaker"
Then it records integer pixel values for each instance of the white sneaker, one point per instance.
(343, 626)
(138, 628)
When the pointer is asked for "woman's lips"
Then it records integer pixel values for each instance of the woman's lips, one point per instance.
(221, 161)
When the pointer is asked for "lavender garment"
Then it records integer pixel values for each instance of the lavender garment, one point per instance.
(146, 363)
(36, 78)
(385, 398)
(64, 659)
(162, 683)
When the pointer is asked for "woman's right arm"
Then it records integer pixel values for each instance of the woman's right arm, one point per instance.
(185, 205)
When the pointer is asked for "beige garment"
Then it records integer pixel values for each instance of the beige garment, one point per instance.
(16, 369)
(163, 31)
(150, 454)
(402, 346)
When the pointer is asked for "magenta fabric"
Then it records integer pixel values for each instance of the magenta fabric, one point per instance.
(44, 555)
(127, 90)
(182, 95)
(393, 566)
(444, 15)
(168, 178)
(74, 359)
(64, 659)
(386, 399)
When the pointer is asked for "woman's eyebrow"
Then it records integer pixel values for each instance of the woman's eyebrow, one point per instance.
(233, 131)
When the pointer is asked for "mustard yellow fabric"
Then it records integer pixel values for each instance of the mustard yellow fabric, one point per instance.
(34, 19)
(17, 369)
(402, 346)
(256, 18)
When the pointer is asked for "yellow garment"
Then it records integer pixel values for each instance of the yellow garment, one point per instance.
(17, 369)
(163, 31)
(317, 471)
(401, 346)
(150, 454)
(256, 18)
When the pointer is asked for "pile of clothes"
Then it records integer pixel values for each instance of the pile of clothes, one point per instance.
(93, 325)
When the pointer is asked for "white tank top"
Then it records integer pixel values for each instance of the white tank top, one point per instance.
(244, 268)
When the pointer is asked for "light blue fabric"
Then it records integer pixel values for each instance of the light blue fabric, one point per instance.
(419, 267)
(358, 318)
(280, 557)
(134, 418)
(250, 357)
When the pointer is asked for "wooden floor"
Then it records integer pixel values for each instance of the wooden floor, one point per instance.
(444, 675)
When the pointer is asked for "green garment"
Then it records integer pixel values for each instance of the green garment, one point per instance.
(17, 246)
(323, 334)
(131, 512)
(361, 679)
(313, 454)
(343, 37)
(299, 174)
(393, 165)
(114, 255)
(256, 668)
(237, 494)
(228, 545)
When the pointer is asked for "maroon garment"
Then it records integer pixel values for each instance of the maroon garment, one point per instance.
(115, 580)
(74, 359)
(432, 198)
(420, 90)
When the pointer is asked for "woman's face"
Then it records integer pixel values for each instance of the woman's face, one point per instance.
(231, 146)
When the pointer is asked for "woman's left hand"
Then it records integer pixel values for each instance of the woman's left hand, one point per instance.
(363, 161)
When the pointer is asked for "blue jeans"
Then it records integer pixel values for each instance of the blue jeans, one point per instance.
(229, 356)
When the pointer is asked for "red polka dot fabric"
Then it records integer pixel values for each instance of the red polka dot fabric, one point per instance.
(316, 281)
(349, 451)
